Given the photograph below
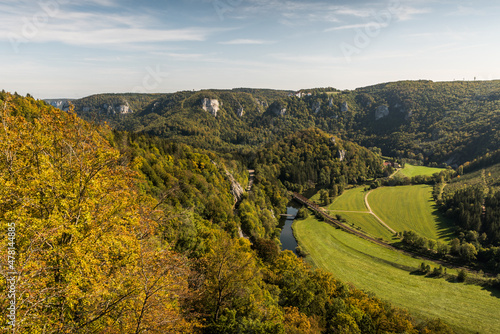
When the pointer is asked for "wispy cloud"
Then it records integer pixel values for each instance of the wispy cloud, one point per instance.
(246, 42)
(352, 11)
(357, 26)
(467, 11)
(373, 17)
(77, 26)
(405, 13)
(102, 3)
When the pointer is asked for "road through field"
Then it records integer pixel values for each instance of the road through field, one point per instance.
(374, 215)
(357, 203)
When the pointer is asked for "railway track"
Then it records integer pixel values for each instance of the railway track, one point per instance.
(329, 219)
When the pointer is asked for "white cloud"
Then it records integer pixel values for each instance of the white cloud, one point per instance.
(406, 13)
(351, 11)
(74, 27)
(246, 42)
(358, 26)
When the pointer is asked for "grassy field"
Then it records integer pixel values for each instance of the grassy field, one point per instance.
(387, 273)
(351, 200)
(411, 170)
(411, 208)
(368, 224)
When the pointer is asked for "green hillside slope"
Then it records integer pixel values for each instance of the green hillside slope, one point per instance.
(450, 122)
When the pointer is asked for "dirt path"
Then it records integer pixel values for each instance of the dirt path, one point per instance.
(374, 215)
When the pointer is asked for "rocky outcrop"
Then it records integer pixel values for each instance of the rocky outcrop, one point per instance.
(316, 106)
(344, 107)
(119, 109)
(155, 106)
(236, 188)
(60, 104)
(277, 109)
(330, 102)
(211, 105)
(261, 104)
(123, 109)
(341, 154)
(381, 112)
(240, 112)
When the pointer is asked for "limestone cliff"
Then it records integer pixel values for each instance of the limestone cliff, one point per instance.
(211, 105)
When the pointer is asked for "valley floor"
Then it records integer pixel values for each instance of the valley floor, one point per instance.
(391, 276)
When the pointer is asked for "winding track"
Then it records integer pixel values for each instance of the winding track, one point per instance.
(374, 215)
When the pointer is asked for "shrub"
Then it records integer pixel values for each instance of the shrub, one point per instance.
(462, 275)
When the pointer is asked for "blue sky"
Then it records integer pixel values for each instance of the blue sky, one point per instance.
(62, 48)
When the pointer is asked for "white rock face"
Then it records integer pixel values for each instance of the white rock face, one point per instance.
(211, 106)
(116, 109)
(236, 188)
(240, 112)
(381, 112)
(341, 155)
(123, 109)
(61, 104)
(330, 102)
(344, 107)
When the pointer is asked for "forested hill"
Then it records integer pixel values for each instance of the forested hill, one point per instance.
(311, 157)
(442, 122)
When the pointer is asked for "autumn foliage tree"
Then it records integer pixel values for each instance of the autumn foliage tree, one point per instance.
(84, 260)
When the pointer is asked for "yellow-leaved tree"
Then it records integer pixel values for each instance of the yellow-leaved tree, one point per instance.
(87, 258)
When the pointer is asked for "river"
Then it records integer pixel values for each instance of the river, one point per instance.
(287, 239)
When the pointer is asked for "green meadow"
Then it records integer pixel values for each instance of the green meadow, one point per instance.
(366, 223)
(390, 275)
(351, 200)
(411, 170)
(411, 208)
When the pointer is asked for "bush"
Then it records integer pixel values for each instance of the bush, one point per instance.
(438, 271)
(300, 252)
(303, 213)
(462, 275)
